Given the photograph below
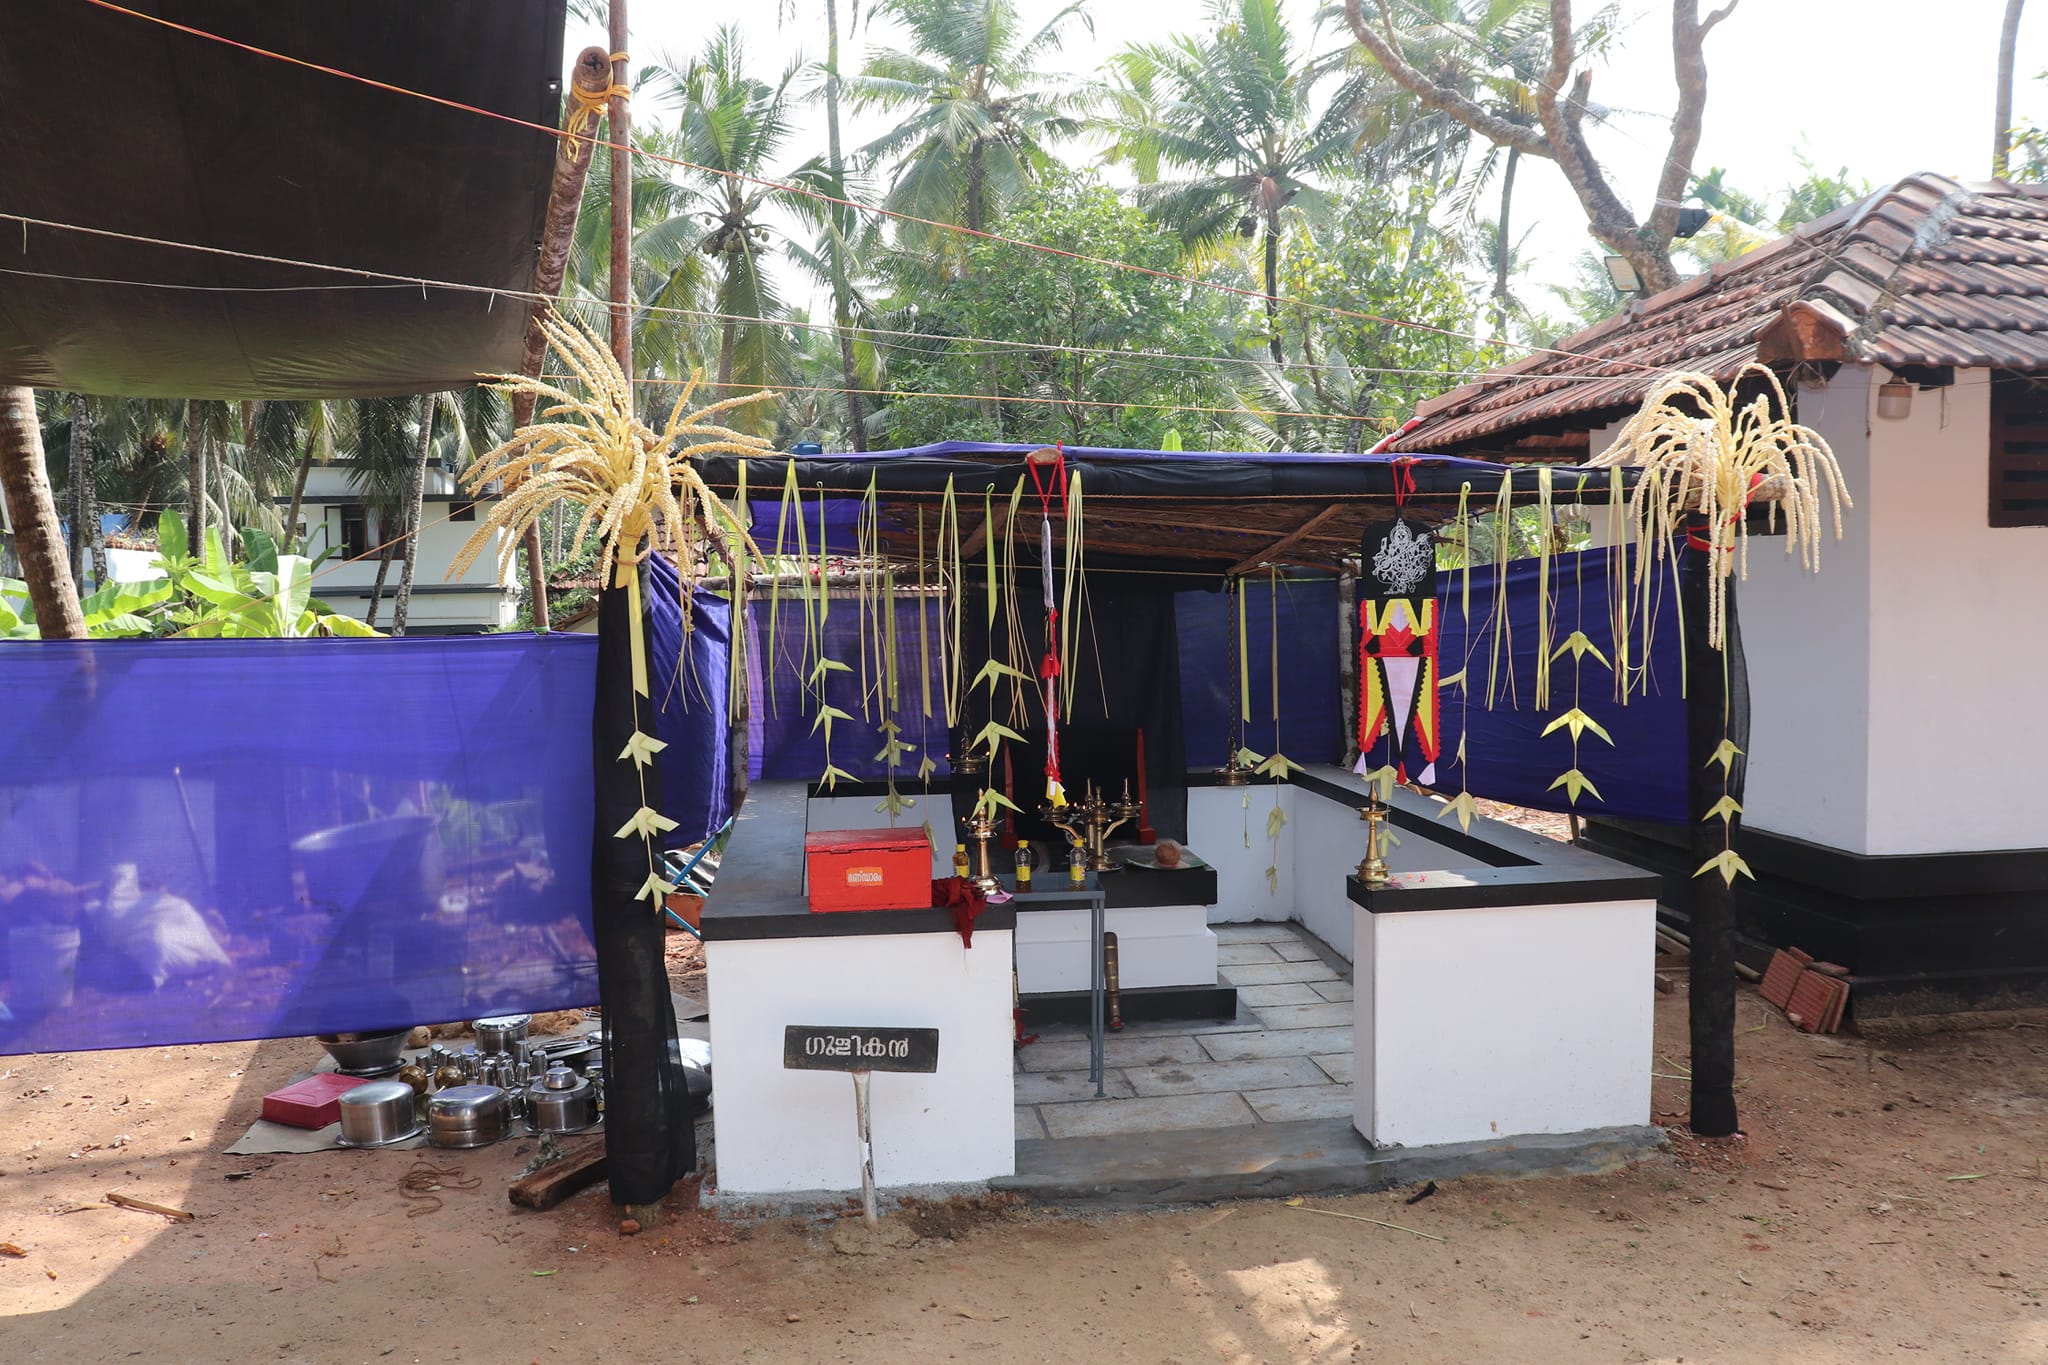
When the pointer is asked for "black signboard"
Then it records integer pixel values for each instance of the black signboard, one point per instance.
(807, 1047)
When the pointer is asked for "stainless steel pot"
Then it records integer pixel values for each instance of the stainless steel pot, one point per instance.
(468, 1116)
(366, 1054)
(563, 1102)
(378, 1114)
(502, 1034)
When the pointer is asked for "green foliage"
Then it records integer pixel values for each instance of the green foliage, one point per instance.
(267, 595)
(1744, 222)
(1046, 303)
(980, 112)
(1378, 259)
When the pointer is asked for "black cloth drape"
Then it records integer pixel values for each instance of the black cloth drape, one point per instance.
(650, 1141)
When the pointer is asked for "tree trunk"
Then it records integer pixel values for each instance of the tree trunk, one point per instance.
(85, 469)
(725, 349)
(416, 492)
(977, 177)
(842, 310)
(1273, 345)
(195, 472)
(79, 553)
(648, 1138)
(291, 521)
(1500, 244)
(621, 128)
(38, 538)
(2001, 136)
(592, 74)
(1717, 708)
(383, 570)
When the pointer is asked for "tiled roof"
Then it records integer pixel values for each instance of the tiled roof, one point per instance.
(1929, 272)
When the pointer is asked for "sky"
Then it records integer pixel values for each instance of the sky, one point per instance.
(1885, 88)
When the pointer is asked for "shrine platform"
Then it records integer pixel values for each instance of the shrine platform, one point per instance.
(1257, 1105)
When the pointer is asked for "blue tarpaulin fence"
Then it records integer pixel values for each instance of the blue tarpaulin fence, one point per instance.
(205, 840)
(1641, 774)
(211, 839)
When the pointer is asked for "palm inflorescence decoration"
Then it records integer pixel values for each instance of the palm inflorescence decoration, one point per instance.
(639, 492)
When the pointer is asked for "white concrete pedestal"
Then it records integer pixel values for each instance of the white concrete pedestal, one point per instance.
(782, 1132)
(1157, 945)
(1482, 1022)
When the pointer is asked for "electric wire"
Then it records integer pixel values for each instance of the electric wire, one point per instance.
(783, 187)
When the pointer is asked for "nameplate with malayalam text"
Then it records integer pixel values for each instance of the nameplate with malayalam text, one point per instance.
(808, 1047)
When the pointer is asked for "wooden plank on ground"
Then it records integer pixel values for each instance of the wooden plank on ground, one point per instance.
(550, 1185)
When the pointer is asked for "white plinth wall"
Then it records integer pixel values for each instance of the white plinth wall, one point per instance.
(1482, 1023)
(781, 1132)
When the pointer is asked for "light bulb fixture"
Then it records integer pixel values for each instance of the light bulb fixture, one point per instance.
(1894, 400)
(1619, 270)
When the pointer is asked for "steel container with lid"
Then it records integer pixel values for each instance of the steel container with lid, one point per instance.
(562, 1102)
(468, 1116)
(378, 1114)
(502, 1034)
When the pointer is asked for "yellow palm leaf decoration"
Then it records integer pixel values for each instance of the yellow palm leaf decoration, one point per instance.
(1701, 452)
(641, 494)
(635, 483)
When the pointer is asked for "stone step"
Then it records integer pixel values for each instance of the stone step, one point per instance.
(1308, 1156)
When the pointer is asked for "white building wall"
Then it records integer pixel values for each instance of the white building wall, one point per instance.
(1227, 829)
(1959, 637)
(494, 604)
(1808, 642)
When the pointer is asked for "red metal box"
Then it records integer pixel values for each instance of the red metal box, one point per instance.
(312, 1103)
(868, 869)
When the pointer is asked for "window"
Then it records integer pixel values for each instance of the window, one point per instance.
(364, 531)
(462, 511)
(355, 532)
(2019, 452)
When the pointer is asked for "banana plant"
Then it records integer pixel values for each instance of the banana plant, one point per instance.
(267, 595)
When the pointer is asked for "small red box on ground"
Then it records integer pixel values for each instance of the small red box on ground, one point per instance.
(868, 869)
(312, 1103)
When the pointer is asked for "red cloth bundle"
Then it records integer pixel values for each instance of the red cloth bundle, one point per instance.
(964, 899)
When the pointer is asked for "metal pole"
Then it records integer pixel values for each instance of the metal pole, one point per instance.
(1096, 1070)
(867, 1147)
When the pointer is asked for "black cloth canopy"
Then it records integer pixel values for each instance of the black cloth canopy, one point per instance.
(117, 123)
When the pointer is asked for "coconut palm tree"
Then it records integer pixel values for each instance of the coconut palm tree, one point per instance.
(383, 442)
(39, 541)
(670, 276)
(457, 428)
(843, 233)
(1232, 114)
(981, 111)
(734, 125)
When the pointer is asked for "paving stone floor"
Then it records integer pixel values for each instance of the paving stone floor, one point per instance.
(1285, 1057)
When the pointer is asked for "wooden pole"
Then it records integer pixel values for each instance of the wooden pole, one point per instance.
(650, 1141)
(592, 76)
(622, 198)
(1717, 708)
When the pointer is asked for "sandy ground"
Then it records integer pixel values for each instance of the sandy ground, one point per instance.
(1888, 1203)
